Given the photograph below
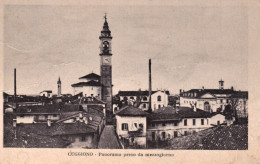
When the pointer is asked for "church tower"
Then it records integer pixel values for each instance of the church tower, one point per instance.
(59, 87)
(106, 65)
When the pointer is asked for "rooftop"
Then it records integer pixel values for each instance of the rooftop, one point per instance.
(131, 111)
(46, 109)
(89, 83)
(91, 76)
(138, 93)
(200, 92)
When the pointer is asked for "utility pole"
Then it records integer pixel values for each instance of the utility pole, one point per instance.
(150, 87)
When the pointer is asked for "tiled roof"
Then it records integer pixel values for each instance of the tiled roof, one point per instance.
(170, 113)
(137, 93)
(46, 109)
(131, 111)
(49, 91)
(186, 112)
(89, 83)
(71, 128)
(233, 137)
(90, 76)
(200, 92)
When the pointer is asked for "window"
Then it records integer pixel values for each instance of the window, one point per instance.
(175, 133)
(163, 135)
(153, 125)
(194, 122)
(207, 121)
(163, 124)
(202, 121)
(218, 122)
(132, 97)
(159, 106)
(124, 126)
(145, 98)
(83, 138)
(144, 105)
(141, 126)
(175, 124)
(154, 106)
(221, 101)
(159, 98)
(41, 117)
(227, 100)
(153, 136)
(91, 95)
(185, 122)
(185, 133)
(125, 98)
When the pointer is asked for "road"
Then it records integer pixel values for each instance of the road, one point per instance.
(108, 139)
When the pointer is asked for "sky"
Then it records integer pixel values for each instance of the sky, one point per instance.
(190, 47)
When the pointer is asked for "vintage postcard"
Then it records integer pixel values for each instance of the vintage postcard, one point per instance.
(170, 82)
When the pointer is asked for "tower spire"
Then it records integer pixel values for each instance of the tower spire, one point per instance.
(105, 33)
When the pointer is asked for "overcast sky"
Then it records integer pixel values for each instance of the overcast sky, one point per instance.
(190, 47)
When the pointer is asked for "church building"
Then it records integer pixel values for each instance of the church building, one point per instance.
(99, 86)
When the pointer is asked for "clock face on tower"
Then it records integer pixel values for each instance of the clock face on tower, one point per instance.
(106, 60)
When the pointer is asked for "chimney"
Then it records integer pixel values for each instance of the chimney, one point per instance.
(49, 122)
(194, 107)
(14, 122)
(15, 87)
(150, 86)
(232, 88)
(203, 88)
(180, 91)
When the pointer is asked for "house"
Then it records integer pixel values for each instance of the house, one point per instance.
(141, 98)
(89, 85)
(46, 93)
(168, 122)
(212, 100)
(131, 126)
(43, 113)
(66, 125)
(217, 119)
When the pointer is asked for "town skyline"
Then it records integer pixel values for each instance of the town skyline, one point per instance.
(45, 49)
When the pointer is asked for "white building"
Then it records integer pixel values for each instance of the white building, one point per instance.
(46, 93)
(158, 98)
(89, 85)
(217, 119)
(168, 122)
(131, 126)
(211, 100)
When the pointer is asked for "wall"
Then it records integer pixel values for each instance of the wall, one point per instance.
(78, 143)
(129, 120)
(95, 90)
(155, 103)
(170, 128)
(219, 117)
(24, 119)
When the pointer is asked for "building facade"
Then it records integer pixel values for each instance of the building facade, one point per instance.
(141, 98)
(213, 100)
(89, 85)
(131, 126)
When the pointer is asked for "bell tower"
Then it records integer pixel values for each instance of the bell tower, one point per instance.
(106, 65)
(59, 87)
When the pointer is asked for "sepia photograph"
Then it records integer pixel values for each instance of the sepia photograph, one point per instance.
(125, 77)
